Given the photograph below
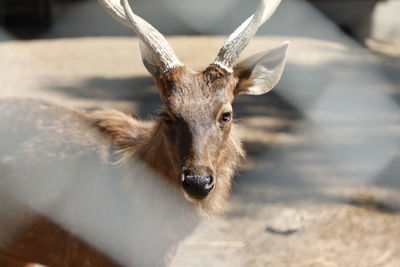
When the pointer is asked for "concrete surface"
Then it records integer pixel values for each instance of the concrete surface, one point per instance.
(386, 23)
(321, 183)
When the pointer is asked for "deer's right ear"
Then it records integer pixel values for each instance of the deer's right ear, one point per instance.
(260, 73)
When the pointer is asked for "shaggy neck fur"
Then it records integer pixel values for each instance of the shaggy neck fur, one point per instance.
(147, 141)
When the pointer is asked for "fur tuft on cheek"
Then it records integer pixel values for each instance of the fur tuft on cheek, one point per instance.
(228, 162)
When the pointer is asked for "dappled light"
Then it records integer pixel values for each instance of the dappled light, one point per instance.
(320, 185)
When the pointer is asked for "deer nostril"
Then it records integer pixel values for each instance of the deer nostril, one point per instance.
(211, 182)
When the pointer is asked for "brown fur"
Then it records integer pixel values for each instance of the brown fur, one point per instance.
(151, 141)
(56, 247)
(194, 101)
(192, 98)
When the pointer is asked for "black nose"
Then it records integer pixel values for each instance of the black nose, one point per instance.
(197, 186)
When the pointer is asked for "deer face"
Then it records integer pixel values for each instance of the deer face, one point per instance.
(196, 119)
(197, 115)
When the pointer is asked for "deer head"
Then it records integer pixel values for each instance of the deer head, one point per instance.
(196, 120)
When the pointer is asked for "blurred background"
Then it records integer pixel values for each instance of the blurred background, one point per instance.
(321, 184)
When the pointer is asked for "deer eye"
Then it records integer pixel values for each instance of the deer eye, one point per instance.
(226, 117)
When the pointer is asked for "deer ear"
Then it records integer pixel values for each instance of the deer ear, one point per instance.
(260, 73)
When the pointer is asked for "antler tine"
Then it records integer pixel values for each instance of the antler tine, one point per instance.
(148, 35)
(240, 38)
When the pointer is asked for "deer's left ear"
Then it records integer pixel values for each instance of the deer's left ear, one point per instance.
(260, 73)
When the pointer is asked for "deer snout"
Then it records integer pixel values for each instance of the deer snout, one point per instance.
(198, 184)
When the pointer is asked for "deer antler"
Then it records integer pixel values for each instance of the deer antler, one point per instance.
(154, 46)
(240, 38)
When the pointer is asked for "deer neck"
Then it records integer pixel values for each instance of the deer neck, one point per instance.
(156, 153)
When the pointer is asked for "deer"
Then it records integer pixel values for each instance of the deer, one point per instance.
(63, 169)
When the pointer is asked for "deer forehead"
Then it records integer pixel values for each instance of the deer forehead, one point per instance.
(184, 85)
(196, 97)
